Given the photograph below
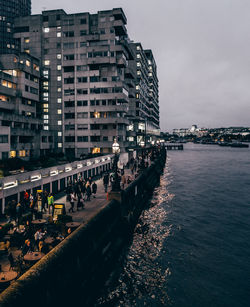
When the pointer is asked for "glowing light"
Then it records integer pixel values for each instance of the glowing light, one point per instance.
(9, 185)
(35, 177)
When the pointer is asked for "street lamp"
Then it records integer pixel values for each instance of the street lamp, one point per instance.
(116, 181)
(142, 165)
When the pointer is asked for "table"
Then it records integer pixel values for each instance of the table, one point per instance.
(33, 256)
(49, 240)
(73, 224)
(7, 277)
(39, 222)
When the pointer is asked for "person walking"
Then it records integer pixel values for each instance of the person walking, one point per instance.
(72, 202)
(18, 212)
(106, 182)
(88, 191)
(51, 203)
(94, 189)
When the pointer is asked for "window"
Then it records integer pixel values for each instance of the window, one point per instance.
(46, 62)
(59, 133)
(69, 104)
(69, 127)
(59, 122)
(59, 145)
(69, 92)
(59, 78)
(58, 34)
(83, 21)
(82, 91)
(82, 67)
(69, 57)
(82, 138)
(69, 139)
(59, 67)
(59, 89)
(82, 79)
(27, 63)
(59, 56)
(4, 139)
(46, 30)
(59, 100)
(45, 18)
(68, 46)
(69, 68)
(59, 111)
(83, 32)
(82, 103)
(102, 19)
(83, 44)
(82, 115)
(69, 80)
(26, 40)
(68, 34)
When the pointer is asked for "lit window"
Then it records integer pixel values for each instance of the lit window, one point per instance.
(59, 78)
(12, 154)
(137, 87)
(138, 64)
(59, 89)
(60, 145)
(45, 110)
(45, 105)
(59, 122)
(47, 62)
(59, 56)
(59, 100)
(138, 55)
(26, 40)
(22, 153)
(45, 121)
(46, 30)
(58, 34)
(46, 127)
(46, 116)
(59, 67)
(138, 48)
(59, 111)
(27, 50)
(27, 62)
(59, 133)
(8, 45)
(138, 72)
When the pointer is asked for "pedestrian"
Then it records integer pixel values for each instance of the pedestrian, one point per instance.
(105, 182)
(94, 189)
(27, 247)
(51, 203)
(18, 212)
(72, 202)
(26, 199)
(88, 191)
(79, 200)
(38, 236)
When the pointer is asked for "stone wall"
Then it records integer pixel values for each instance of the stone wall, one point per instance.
(74, 272)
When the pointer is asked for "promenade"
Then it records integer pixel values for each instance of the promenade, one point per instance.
(91, 207)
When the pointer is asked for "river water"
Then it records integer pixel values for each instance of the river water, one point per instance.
(191, 246)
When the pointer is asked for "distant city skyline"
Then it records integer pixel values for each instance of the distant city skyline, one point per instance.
(202, 54)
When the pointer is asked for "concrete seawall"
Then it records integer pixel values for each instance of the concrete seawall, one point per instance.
(74, 271)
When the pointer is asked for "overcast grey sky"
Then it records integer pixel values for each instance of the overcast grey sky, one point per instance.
(202, 50)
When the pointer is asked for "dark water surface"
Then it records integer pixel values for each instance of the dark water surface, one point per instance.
(192, 246)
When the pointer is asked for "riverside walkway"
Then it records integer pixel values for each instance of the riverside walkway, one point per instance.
(92, 207)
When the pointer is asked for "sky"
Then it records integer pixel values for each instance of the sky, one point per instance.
(202, 51)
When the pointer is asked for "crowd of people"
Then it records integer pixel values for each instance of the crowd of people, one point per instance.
(80, 191)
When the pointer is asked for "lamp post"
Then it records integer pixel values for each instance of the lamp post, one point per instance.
(116, 182)
(142, 164)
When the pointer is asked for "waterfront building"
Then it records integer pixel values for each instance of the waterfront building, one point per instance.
(9, 9)
(144, 107)
(21, 125)
(84, 91)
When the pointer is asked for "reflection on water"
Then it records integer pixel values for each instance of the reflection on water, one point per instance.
(143, 279)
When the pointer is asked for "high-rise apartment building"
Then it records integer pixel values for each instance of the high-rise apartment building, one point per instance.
(144, 107)
(95, 84)
(9, 9)
(85, 93)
